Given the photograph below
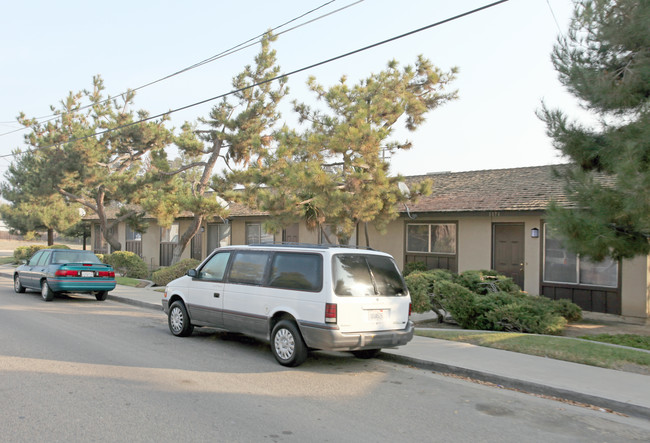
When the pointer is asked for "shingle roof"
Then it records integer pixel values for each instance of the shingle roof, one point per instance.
(517, 189)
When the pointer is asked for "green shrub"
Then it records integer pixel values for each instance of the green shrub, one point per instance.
(459, 301)
(421, 284)
(526, 316)
(26, 252)
(414, 266)
(164, 275)
(127, 264)
(503, 311)
(567, 309)
(479, 281)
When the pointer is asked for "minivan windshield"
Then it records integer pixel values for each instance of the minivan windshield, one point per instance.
(361, 275)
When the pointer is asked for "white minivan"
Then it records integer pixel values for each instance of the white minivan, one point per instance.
(298, 298)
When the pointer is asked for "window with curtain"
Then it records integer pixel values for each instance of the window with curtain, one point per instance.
(256, 234)
(563, 266)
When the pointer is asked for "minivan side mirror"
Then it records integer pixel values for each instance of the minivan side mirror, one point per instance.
(192, 273)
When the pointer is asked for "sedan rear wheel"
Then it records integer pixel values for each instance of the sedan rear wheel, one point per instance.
(101, 295)
(46, 292)
(17, 286)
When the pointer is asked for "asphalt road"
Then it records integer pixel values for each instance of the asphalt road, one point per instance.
(76, 369)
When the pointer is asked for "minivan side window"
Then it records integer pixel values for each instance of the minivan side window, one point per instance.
(303, 272)
(248, 268)
(215, 268)
(366, 275)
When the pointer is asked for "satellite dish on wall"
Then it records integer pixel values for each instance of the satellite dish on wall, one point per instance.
(406, 192)
(404, 189)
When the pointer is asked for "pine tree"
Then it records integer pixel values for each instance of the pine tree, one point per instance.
(236, 131)
(92, 155)
(604, 60)
(334, 173)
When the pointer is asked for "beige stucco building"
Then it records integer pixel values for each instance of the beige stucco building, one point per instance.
(490, 219)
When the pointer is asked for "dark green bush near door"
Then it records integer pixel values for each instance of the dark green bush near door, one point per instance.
(467, 298)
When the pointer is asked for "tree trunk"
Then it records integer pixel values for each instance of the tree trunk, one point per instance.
(50, 236)
(103, 222)
(365, 228)
(187, 236)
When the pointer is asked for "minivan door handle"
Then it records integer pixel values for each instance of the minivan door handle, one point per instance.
(216, 295)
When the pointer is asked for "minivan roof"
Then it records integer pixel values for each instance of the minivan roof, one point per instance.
(332, 249)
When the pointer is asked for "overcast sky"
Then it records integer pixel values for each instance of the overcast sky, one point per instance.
(503, 54)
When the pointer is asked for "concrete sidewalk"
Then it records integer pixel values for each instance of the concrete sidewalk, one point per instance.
(623, 392)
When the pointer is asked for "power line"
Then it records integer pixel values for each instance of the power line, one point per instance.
(554, 18)
(306, 68)
(241, 46)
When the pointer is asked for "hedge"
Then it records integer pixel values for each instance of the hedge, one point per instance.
(421, 284)
(127, 264)
(470, 302)
(164, 275)
(26, 252)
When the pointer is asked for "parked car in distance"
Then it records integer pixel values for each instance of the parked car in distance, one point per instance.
(53, 271)
(297, 298)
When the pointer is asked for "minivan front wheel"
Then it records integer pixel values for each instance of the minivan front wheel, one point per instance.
(178, 320)
(287, 345)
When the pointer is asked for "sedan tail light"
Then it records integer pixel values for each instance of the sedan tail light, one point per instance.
(66, 273)
(106, 274)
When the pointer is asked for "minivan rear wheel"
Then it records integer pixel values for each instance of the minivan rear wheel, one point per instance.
(178, 320)
(287, 344)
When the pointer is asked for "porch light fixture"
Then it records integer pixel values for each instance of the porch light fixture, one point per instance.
(534, 233)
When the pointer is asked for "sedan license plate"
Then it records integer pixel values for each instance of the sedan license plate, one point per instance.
(87, 274)
(376, 315)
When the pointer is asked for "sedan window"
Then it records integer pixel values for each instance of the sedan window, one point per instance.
(35, 258)
(44, 258)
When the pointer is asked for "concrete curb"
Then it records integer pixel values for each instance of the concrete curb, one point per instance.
(138, 303)
(513, 383)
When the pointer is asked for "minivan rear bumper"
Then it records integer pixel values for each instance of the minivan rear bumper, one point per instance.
(319, 337)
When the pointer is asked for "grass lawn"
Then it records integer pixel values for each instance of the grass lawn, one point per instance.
(126, 281)
(6, 260)
(631, 340)
(560, 348)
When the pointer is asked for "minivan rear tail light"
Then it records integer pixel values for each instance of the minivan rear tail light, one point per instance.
(330, 313)
(410, 308)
